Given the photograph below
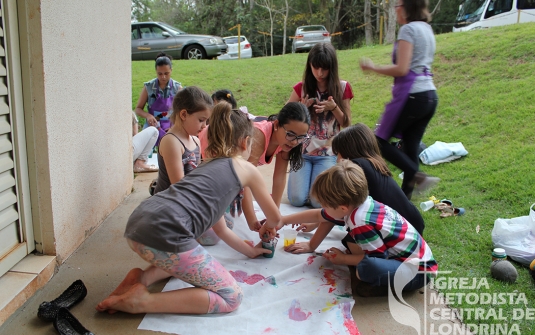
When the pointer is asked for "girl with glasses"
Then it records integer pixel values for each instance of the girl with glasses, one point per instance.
(327, 99)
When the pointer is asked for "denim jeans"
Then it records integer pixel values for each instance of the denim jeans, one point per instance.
(300, 182)
(375, 270)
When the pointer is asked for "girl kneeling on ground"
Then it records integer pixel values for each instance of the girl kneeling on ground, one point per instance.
(163, 229)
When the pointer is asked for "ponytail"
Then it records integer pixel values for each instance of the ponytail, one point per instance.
(228, 127)
(225, 95)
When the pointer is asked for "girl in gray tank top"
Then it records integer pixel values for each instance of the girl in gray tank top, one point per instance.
(163, 229)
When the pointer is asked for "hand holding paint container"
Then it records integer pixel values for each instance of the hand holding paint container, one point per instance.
(290, 236)
(270, 245)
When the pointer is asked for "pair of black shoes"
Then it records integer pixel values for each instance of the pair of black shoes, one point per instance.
(57, 310)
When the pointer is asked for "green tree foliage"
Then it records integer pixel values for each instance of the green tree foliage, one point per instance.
(216, 17)
(445, 16)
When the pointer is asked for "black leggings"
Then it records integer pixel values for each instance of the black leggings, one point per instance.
(412, 122)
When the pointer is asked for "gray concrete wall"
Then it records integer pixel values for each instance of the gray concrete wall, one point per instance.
(77, 101)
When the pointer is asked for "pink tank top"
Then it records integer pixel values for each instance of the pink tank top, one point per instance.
(266, 127)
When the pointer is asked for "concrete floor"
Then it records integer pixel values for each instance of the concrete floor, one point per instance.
(104, 258)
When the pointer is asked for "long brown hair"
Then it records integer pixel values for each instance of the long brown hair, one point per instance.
(358, 141)
(228, 127)
(322, 55)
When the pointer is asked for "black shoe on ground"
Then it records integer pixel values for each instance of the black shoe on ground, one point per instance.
(67, 324)
(70, 297)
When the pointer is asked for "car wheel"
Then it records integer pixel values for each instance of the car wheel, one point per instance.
(195, 52)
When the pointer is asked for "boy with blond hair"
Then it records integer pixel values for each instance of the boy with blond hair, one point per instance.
(380, 238)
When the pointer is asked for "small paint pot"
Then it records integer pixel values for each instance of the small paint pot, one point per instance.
(498, 253)
(270, 245)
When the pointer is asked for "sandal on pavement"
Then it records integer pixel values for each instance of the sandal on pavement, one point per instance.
(66, 324)
(452, 212)
(149, 168)
(70, 297)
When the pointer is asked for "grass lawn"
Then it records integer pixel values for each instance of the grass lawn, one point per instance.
(485, 81)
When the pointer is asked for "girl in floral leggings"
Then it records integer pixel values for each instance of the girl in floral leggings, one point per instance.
(163, 228)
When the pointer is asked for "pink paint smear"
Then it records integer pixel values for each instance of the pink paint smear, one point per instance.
(243, 277)
(295, 313)
(349, 323)
(268, 331)
(331, 326)
(310, 259)
(291, 282)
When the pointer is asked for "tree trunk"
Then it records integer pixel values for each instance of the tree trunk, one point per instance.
(324, 7)
(271, 30)
(268, 5)
(285, 23)
(368, 21)
(378, 20)
(391, 23)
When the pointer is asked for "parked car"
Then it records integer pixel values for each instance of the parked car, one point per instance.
(232, 52)
(307, 36)
(151, 38)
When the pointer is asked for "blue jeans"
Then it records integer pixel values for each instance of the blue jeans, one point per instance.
(300, 182)
(375, 270)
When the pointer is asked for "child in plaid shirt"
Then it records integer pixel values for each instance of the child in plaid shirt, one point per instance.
(381, 239)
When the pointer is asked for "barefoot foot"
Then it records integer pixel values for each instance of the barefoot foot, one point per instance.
(133, 277)
(131, 301)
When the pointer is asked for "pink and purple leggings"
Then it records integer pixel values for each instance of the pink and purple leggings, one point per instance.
(198, 268)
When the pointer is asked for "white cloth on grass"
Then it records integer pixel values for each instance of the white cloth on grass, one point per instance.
(441, 152)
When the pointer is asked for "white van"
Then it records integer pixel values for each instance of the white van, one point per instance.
(476, 14)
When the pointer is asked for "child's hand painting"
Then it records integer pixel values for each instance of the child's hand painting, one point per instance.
(255, 226)
(266, 233)
(258, 250)
(336, 256)
(299, 248)
(306, 227)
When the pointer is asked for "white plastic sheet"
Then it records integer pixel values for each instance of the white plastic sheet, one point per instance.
(288, 294)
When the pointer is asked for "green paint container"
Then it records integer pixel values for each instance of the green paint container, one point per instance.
(271, 246)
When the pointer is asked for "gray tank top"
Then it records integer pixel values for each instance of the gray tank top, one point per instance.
(172, 219)
(190, 160)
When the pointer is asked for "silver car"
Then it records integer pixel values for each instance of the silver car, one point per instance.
(151, 38)
(307, 36)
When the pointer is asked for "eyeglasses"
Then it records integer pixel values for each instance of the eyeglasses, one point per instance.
(291, 136)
